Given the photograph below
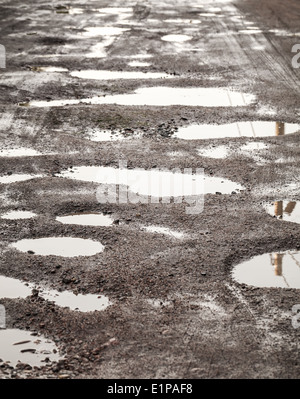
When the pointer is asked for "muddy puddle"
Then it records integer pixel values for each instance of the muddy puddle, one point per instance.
(59, 246)
(15, 215)
(105, 135)
(288, 211)
(277, 269)
(139, 64)
(87, 219)
(21, 346)
(240, 129)
(163, 96)
(14, 288)
(14, 178)
(154, 183)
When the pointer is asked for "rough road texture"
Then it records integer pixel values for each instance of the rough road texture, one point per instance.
(176, 311)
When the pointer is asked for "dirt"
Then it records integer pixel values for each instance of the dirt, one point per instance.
(176, 311)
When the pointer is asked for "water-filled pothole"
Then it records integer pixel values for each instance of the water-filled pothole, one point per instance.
(14, 178)
(14, 288)
(113, 75)
(239, 129)
(15, 215)
(19, 152)
(277, 269)
(59, 246)
(284, 210)
(155, 183)
(21, 346)
(86, 219)
(176, 38)
(163, 96)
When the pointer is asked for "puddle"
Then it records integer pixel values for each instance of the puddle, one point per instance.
(14, 215)
(139, 64)
(19, 152)
(165, 96)
(112, 75)
(288, 211)
(59, 246)
(164, 231)
(88, 219)
(21, 346)
(239, 129)
(176, 38)
(7, 179)
(155, 183)
(278, 269)
(14, 288)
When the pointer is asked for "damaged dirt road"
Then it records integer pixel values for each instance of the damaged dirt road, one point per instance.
(149, 290)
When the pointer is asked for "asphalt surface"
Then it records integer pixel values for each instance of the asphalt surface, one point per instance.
(176, 311)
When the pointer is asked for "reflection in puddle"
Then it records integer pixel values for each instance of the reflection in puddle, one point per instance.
(164, 96)
(155, 183)
(89, 219)
(59, 246)
(176, 38)
(13, 215)
(13, 288)
(240, 129)
(285, 210)
(270, 270)
(164, 231)
(7, 179)
(112, 75)
(18, 345)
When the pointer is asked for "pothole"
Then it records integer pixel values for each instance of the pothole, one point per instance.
(86, 219)
(277, 269)
(163, 96)
(59, 246)
(24, 347)
(15, 215)
(113, 75)
(14, 288)
(176, 38)
(155, 183)
(239, 129)
(14, 178)
(288, 211)
(19, 152)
